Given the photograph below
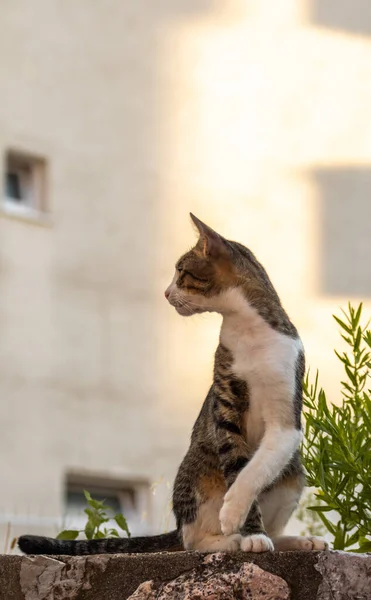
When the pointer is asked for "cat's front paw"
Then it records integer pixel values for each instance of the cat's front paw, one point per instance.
(233, 513)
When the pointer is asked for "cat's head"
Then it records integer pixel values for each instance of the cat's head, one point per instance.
(215, 265)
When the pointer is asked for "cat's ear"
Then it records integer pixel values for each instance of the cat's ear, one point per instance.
(211, 243)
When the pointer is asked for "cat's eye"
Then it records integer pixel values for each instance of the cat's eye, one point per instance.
(181, 271)
(196, 277)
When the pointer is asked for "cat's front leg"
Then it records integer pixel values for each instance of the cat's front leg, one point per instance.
(274, 453)
(234, 455)
(253, 535)
(236, 507)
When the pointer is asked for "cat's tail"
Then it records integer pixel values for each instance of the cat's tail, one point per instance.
(34, 544)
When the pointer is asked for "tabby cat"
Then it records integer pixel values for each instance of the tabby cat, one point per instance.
(241, 478)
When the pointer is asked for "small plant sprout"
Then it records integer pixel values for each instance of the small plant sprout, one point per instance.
(97, 517)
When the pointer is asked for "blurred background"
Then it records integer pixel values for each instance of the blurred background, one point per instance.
(116, 119)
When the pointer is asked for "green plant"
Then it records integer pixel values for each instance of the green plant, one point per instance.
(97, 516)
(337, 442)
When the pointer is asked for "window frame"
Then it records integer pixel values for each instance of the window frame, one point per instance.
(34, 205)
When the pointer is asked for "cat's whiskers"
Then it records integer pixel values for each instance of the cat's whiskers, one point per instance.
(182, 302)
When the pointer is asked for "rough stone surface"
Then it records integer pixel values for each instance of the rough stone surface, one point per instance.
(309, 576)
(345, 576)
(43, 577)
(248, 582)
(10, 588)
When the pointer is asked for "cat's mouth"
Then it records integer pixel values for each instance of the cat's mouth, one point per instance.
(184, 308)
(186, 311)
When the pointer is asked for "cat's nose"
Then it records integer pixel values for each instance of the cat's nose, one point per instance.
(167, 294)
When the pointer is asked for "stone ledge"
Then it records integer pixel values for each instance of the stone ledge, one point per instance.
(298, 576)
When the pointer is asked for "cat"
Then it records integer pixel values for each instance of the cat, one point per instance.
(242, 478)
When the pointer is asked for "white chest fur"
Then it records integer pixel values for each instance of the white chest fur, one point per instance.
(265, 359)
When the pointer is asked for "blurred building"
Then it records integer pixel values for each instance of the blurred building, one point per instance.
(116, 119)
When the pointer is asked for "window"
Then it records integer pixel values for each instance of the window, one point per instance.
(24, 184)
(129, 498)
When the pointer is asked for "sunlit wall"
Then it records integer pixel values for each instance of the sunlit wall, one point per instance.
(269, 141)
(254, 115)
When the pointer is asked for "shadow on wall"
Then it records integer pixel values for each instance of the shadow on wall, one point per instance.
(353, 16)
(345, 231)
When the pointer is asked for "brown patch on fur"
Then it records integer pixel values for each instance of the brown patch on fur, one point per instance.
(209, 484)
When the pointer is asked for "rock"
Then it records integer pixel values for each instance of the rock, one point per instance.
(45, 578)
(146, 591)
(187, 576)
(345, 576)
(211, 582)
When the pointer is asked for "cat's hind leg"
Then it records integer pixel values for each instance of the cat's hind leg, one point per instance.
(204, 532)
(300, 542)
(277, 505)
(214, 543)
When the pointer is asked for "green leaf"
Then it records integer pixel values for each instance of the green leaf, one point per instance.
(99, 535)
(89, 530)
(366, 547)
(342, 357)
(121, 522)
(342, 324)
(321, 508)
(97, 504)
(114, 532)
(352, 539)
(329, 526)
(358, 339)
(339, 537)
(350, 374)
(68, 534)
(367, 338)
(95, 518)
(87, 496)
(357, 315)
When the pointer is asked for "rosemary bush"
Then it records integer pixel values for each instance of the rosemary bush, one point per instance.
(337, 442)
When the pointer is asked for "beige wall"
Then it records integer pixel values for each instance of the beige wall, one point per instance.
(254, 115)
